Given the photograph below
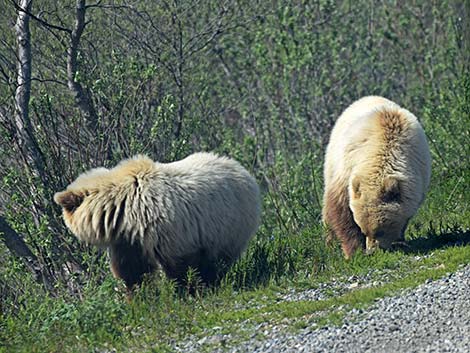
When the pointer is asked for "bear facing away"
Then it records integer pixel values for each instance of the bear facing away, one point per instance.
(377, 171)
(199, 212)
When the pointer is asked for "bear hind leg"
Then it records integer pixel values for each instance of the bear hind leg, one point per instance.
(208, 269)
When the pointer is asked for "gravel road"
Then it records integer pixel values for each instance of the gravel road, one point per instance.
(434, 317)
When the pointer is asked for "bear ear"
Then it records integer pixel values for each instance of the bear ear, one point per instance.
(69, 200)
(391, 190)
(356, 187)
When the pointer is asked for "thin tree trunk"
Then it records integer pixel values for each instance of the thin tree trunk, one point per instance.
(24, 131)
(30, 150)
(179, 76)
(18, 248)
(466, 35)
(82, 95)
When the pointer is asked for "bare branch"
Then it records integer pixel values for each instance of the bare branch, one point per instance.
(147, 18)
(27, 12)
(18, 248)
(465, 36)
(49, 81)
(82, 96)
(5, 75)
(98, 4)
(213, 29)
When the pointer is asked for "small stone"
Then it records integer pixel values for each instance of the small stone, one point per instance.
(202, 341)
(354, 285)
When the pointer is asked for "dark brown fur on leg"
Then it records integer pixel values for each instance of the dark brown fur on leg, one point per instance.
(129, 263)
(339, 219)
(209, 270)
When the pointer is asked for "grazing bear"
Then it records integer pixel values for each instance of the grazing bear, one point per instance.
(377, 171)
(197, 213)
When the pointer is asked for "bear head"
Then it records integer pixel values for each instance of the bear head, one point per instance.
(379, 209)
(102, 205)
(89, 207)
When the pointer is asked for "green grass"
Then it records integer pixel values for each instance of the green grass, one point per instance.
(278, 261)
(288, 253)
(157, 315)
(287, 83)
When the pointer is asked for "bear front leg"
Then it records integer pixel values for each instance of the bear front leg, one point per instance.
(339, 219)
(129, 263)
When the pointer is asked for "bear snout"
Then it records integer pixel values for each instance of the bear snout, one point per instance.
(371, 245)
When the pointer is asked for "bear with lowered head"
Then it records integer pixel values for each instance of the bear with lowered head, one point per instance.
(199, 213)
(376, 173)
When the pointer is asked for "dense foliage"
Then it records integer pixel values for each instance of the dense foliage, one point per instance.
(262, 82)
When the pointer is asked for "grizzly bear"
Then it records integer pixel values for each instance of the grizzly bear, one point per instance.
(199, 213)
(377, 171)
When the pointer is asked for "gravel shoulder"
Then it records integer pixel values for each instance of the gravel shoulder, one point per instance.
(433, 317)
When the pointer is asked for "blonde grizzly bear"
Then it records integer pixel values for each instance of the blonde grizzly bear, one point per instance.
(197, 213)
(377, 171)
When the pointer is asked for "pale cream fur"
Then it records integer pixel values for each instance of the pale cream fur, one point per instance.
(367, 148)
(201, 202)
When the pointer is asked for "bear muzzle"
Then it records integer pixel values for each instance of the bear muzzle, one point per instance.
(371, 245)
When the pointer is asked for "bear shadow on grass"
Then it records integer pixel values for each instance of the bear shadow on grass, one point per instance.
(433, 241)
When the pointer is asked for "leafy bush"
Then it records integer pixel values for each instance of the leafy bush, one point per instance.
(261, 82)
